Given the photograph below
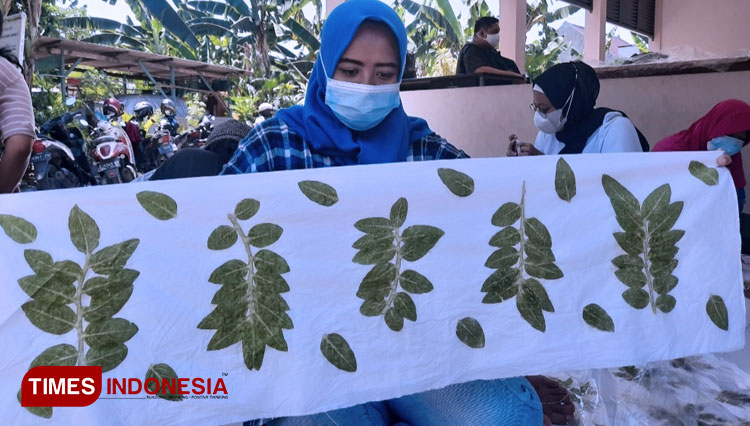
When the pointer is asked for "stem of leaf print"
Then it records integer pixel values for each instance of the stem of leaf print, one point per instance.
(79, 311)
(250, 265)
(394, 286)
(522, 229)
(649, 278)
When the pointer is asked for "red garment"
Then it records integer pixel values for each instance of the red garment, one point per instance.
(134, 134)
(726, 118)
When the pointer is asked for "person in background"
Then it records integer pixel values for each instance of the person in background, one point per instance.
(726, 127)
(220, 146)
(169, 111)
(17, 129)
(564, 100)
(265, 111)
(480, 55)
(353, 115)
(410, 71)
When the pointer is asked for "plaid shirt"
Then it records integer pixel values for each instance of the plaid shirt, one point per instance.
(272, 145)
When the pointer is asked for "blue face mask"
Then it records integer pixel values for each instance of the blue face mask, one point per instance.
(361, 106)
(728, 144)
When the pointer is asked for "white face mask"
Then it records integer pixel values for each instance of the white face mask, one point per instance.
(493, 40)
(553, 122)
(550, 123)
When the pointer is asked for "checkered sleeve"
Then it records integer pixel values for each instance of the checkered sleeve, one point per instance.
(433, 147)
(256, 153)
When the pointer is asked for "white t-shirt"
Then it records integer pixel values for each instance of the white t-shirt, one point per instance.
(616, 134)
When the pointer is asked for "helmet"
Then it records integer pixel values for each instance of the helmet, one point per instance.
(265, 106)
(143, 110)
(112, 107)
(266, 110)
(168, 108)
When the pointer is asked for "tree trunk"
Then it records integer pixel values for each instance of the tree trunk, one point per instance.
(34, 13)
(262, 44)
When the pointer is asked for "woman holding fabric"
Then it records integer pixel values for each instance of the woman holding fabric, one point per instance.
(568, 122)
(353, 115)
(725, 127)
(17, 131)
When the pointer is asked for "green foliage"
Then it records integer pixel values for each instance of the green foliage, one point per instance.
(717, 311)
(196, 109)
(640, 41)
(469, 331)
(458, 183)
(158, 205)
(338, 352)
(56, 286)
(249, 307)
(705, 174)
(522, 251)
(543, 53)
(18, 229)
(649, 243)
(161, 373)
(272, 40)
(319, 192)
(565, 181)
(597, 317)
(386, 247)
(47, 101)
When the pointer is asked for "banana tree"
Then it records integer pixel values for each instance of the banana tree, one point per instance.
(543, 52)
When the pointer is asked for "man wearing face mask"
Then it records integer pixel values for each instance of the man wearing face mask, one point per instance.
(480, 55)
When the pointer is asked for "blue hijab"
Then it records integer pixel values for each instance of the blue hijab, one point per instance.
(388, 141)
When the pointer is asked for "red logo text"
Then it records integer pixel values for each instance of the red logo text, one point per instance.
(61, 386)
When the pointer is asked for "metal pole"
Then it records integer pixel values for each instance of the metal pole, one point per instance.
(63, 77)
(150, 77)
(171, 81)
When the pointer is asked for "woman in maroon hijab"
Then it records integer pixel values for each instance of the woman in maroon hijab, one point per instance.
(727, 127)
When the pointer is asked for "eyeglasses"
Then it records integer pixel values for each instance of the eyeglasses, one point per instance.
(535, 108)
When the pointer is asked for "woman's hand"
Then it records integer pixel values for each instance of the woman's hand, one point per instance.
(724, 160)
(521, 149)
(556, 402)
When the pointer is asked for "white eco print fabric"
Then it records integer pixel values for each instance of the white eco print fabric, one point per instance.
(172, 295)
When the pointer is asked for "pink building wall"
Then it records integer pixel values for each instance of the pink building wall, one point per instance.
(479, 119)
(718, 27)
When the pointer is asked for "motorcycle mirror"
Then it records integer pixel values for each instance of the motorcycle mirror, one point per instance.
(70, 101)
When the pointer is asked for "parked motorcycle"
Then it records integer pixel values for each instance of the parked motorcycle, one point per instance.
(113, 153)
(58, 158)
(198, 137)
(160, 145)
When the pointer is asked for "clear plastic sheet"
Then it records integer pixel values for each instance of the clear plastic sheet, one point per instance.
(707, 390)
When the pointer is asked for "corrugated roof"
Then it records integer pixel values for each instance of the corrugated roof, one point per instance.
(127, 61)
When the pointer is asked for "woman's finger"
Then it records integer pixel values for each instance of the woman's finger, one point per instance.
(724, 160)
